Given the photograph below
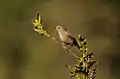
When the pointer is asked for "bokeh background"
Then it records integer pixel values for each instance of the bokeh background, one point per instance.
(24, 54)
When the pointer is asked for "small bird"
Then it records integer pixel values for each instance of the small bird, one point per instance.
(67, 39)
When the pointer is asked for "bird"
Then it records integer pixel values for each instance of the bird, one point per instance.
(66, 38)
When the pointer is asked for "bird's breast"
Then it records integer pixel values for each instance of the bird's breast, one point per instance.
(63, 37)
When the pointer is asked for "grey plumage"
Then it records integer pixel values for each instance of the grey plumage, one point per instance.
(66, 38)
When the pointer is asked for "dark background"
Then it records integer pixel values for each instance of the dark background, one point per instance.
(24, 54)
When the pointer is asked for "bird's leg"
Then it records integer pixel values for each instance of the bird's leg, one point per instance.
(66, 46)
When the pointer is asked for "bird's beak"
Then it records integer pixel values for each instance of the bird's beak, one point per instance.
(54, 28)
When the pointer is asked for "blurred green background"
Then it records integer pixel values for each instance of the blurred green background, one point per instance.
(24, 54)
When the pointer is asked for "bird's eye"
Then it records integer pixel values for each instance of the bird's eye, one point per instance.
(58, 27)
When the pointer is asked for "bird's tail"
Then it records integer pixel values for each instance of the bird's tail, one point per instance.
(80, 43)
(75, 43)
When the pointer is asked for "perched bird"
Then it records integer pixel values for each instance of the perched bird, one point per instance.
(67, 39)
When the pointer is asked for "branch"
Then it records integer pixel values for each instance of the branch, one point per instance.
(85, 66)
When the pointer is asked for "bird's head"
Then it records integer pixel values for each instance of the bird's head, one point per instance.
(60, 29)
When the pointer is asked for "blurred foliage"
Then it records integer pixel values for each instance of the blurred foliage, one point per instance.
(116, 2)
